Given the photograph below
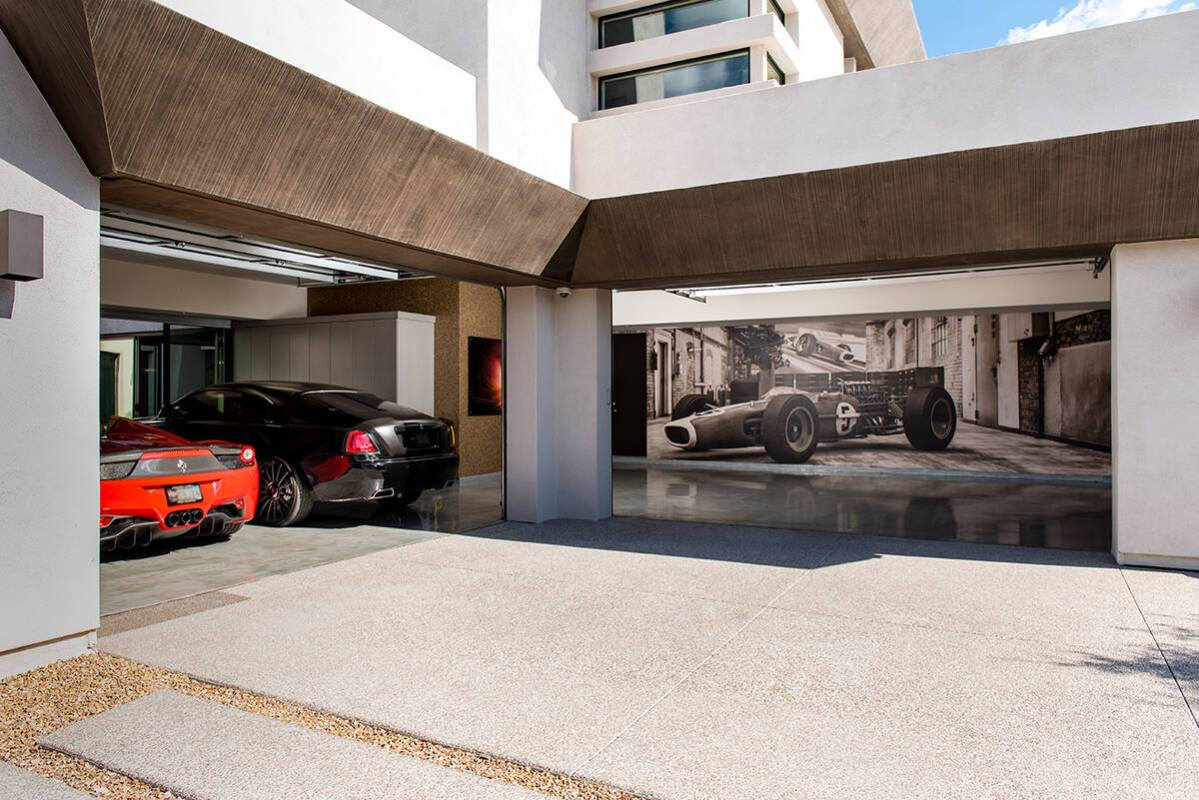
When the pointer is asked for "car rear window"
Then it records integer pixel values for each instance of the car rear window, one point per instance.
(355, 406)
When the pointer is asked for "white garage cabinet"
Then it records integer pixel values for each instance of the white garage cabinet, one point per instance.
(389, 354)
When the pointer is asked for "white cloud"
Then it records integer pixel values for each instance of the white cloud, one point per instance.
(1095, 13)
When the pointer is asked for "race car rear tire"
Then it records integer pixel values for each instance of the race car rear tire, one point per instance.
(290, 501)
(689, 405)
(790, 428)
(930, 418)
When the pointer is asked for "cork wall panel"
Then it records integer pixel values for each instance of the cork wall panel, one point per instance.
(480, 313)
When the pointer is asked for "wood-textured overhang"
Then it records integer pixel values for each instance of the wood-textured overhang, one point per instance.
(183, 120)
(1068, 197)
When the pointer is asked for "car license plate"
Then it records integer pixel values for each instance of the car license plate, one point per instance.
(189, 493)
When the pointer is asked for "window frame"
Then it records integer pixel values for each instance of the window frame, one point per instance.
(771, 64)
(940, 337)
(729, 55)
(773, 6)
(646, 10)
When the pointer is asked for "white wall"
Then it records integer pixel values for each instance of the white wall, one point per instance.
(558, 409)
(821, 45)
(346, 46)
(49, 495)
(529, 58)
(1124, 76)
(1155, 297)
(200, 292)
(537, 83)
(388, 354)
(456, 30)
(992, 292)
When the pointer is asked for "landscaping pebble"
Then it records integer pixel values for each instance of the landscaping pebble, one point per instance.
(40, 702)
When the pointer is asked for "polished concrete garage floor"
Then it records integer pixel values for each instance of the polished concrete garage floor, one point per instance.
(1035, 511)
(172, 570)
(686, 661)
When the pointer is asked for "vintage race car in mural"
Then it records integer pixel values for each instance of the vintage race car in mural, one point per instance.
(791, 420)
(155, 485)
(847, 352)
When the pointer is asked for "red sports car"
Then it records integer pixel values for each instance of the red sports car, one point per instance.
(156, 485)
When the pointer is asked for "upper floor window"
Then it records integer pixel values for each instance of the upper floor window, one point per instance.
(672, 17)
(773, 72)
(777, 10)
(674, 80)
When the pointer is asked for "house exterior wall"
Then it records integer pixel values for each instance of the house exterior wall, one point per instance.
(821, 44)
(348, 47)
(49, 338)
(1097, 80)
(1154, 288)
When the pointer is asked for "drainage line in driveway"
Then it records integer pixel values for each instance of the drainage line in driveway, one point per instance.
(1160, 650)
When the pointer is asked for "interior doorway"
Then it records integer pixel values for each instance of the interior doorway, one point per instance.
(629, 401)
(986, 353)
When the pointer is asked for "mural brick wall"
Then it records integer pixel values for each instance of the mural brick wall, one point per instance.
(1032, 390)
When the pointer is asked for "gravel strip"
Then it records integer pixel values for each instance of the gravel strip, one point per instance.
(37, 703)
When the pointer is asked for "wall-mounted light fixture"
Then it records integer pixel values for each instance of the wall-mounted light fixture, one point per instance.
(21, 249)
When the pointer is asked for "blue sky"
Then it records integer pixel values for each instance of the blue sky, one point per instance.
(953, 26)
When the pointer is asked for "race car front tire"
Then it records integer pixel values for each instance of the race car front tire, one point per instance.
(790, 427)
(930, 418)
(690, 404)
(283, 496)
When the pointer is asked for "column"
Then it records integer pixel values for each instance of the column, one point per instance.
(557, 416)
(1155, 363)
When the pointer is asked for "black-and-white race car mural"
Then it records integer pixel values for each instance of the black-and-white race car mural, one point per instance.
(790, 421)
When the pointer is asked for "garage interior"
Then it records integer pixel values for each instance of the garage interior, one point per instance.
(1030, 460)
(186, 306)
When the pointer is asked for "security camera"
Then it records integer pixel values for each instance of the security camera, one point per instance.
(564, 292)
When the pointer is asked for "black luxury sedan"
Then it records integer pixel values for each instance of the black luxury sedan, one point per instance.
(319, 443)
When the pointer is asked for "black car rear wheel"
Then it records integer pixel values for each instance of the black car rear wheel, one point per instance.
(283, 496)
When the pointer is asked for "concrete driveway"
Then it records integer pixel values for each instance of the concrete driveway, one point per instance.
(691, 661)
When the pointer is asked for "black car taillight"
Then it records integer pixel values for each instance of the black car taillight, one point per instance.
(116, 470)
(360, 443)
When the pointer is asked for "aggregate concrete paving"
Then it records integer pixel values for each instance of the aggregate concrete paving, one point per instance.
(19, 784)
(207, 751)
(694, 661)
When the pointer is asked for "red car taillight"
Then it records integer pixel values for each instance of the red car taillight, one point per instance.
(360, 442)
(247, 455)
